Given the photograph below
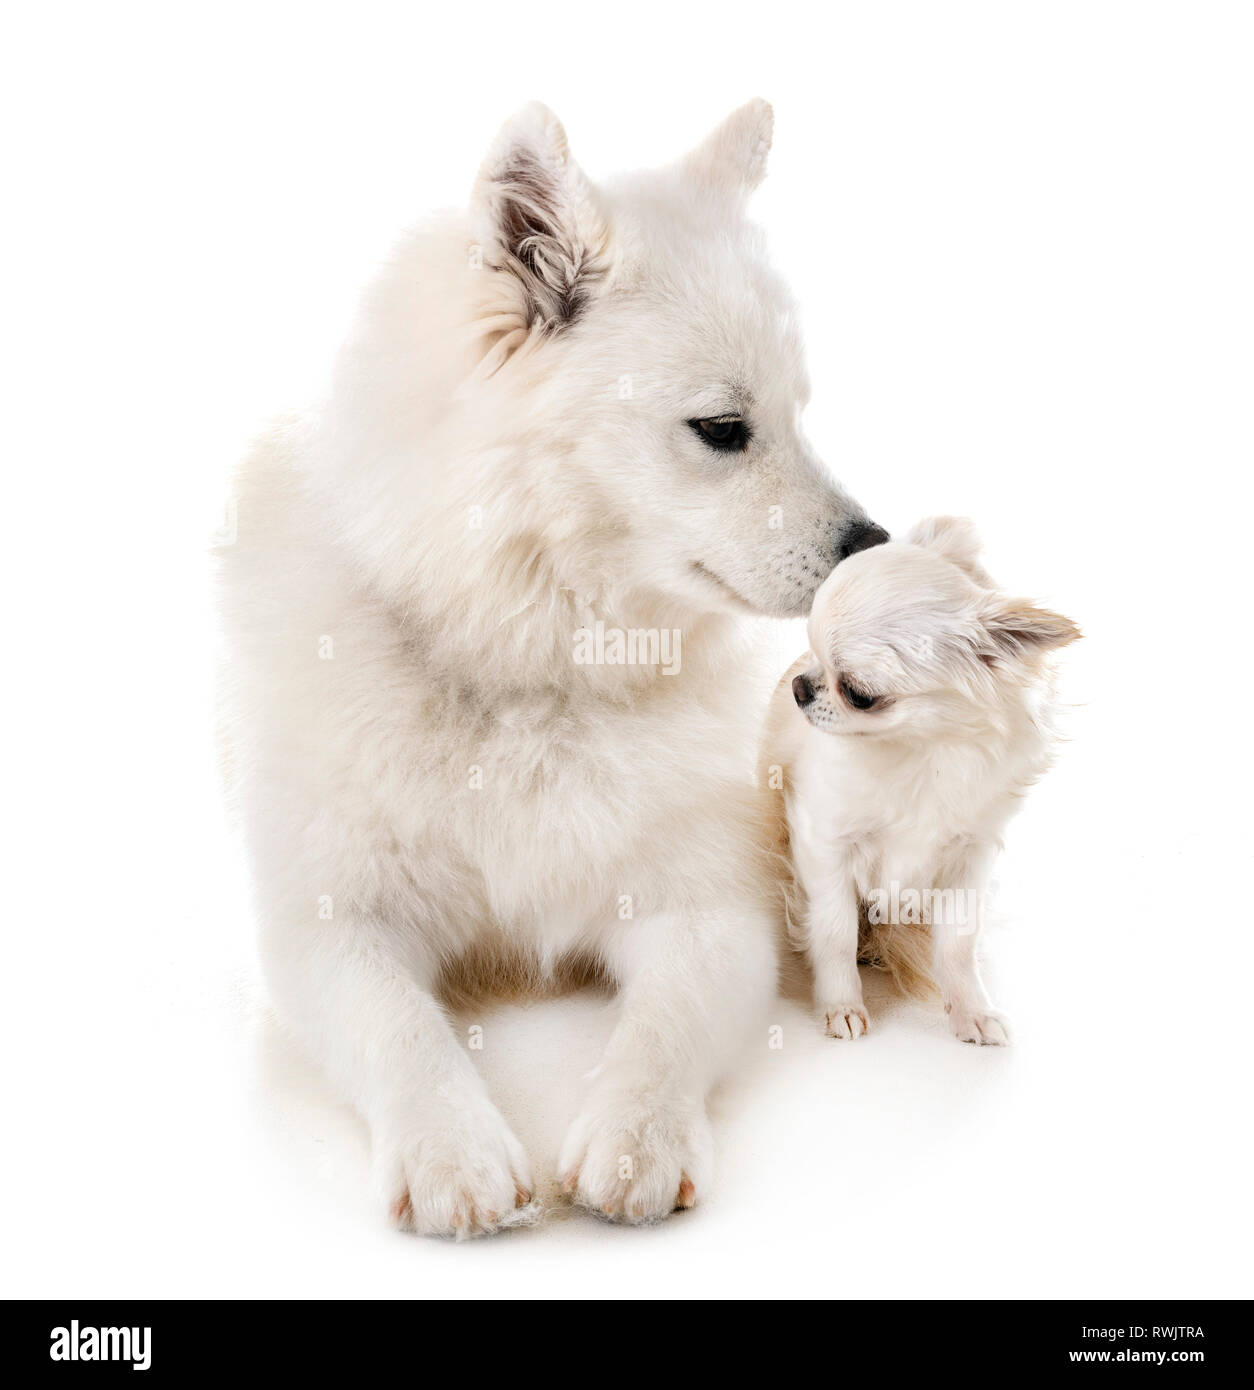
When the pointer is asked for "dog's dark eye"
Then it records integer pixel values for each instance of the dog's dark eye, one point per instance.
(729, 432)
(857, 698)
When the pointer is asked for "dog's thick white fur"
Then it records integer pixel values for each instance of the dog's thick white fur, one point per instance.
(902, 747)
(511, 451)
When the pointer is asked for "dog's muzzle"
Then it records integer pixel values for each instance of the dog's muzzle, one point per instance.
(802, 691)
(860, 535)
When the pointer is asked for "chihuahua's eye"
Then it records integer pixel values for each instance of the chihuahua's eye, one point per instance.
(857, 698)
(727, 432)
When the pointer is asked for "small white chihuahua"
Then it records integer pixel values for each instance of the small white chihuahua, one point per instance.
(901, 748)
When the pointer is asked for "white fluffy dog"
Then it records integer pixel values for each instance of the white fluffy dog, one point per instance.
(487, 687)
(901, 748)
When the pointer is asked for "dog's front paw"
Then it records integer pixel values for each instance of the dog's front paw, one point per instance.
(846, 1020)
(634, 1157)
(463, 1175)
(978, 1026)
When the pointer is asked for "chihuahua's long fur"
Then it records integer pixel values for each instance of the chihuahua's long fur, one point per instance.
(900, 746)
(571, 405)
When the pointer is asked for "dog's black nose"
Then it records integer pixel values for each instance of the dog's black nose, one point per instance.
(802, 691)
(861, 535)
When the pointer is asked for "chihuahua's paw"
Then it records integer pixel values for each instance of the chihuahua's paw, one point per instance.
(634, 1159)
(846, 1020)
(985, 1028)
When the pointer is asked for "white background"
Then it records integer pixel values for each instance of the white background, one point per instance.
(1021, 235)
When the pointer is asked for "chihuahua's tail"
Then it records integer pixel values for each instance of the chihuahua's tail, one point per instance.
(904, 952)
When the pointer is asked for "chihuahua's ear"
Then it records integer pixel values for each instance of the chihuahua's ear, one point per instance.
(536, 217)
(731, 160)
(1015, 628)
(954, 536)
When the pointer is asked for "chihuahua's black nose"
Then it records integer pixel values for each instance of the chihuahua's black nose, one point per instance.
(802, 691)
(861, 535)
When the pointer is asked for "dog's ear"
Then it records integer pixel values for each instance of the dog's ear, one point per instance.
(535, 217)
(1015, 628)
(955, 537)
(731, 160)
